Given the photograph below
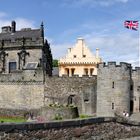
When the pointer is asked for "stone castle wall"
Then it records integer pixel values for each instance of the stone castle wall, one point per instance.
(21, 95)
(58, 89)
(27, 90)
(85, 129)
(111, 91)
(22, 90)
(113, 88)
(136, 89)
(22, 76)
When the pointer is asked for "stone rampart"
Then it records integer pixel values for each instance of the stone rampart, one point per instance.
(92, 128)
(21, 95)
(22, 76)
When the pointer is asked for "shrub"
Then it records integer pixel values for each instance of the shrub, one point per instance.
(72, 106)
(84, 116)
(58, 117)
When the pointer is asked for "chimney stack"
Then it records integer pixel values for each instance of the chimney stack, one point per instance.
(13, 26)
(97, 53)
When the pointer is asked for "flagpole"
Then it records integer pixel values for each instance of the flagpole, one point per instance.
(139, 45)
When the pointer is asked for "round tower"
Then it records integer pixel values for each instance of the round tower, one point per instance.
(113, 88)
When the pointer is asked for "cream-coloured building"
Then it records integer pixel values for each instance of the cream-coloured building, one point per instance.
(79, 61)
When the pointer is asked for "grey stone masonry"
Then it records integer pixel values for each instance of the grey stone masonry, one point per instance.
(83, 90)
(113, 88)
(136, 89)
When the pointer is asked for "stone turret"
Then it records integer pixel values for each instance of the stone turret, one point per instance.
(113, 88)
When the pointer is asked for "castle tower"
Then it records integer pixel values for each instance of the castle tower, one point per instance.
(113, 88)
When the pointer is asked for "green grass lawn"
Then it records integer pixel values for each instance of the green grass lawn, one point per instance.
(11, 120)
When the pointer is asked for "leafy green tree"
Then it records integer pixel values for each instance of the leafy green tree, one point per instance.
(47, 58)
(55, 63)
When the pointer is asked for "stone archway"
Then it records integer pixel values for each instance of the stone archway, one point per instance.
(70, 99)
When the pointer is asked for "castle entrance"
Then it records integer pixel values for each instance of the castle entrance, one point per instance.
(70, 99)
(131, 106)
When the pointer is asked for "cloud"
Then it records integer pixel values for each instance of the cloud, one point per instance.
(24, 23)
(20, 22)
(60, 50)
(119, 47)
(93, 3)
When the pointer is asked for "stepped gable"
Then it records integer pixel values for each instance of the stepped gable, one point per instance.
(79, 60)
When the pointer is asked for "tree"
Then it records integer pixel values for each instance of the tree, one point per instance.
(47, 58)
(55, 63)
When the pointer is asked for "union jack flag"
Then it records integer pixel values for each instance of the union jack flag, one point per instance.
(133, 25)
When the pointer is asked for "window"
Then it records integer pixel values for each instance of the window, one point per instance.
(112, 84)
(12, 66)
(86, 97)
(112, 105)
(91, 72)
(72, 71)
(86, 71)
(84, 55)
(131, 87)
(74, 56)
(67, 72)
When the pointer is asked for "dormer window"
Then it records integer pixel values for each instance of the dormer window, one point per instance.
(74, 56)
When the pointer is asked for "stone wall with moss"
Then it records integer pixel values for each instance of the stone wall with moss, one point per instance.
(81, 89)
(59, 113)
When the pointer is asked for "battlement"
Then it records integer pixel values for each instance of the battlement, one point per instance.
(113, 64)
(136, 71)
(22, 76)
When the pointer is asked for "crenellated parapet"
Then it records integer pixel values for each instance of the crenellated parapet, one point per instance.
(114, 65)
(22, 76)
(136, 72)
